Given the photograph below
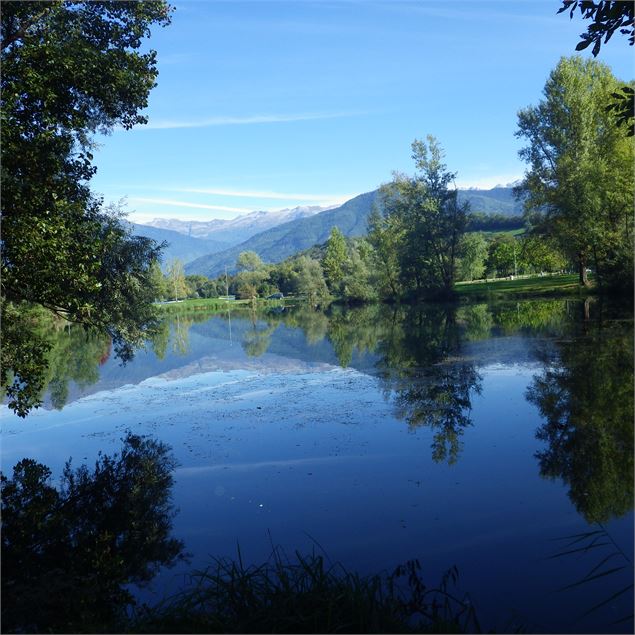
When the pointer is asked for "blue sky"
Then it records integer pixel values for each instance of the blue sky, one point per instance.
(266, 105)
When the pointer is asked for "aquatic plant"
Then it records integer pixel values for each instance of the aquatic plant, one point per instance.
(307, 595)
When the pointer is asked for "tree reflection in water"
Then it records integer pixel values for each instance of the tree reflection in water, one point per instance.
(585, 395)
(40, 351)
(68, 553)
(422, 363)
(257, 339)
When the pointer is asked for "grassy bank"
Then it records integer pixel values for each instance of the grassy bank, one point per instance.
(523, 287)
(532, 286)
(216, 304)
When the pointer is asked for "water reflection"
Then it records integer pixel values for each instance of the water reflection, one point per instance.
(585, 395)
(423, 366)
(560, 370)
(424, 358)
(257, 339)
(69, 552)
(43, 353)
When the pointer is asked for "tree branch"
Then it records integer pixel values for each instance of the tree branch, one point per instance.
(21, 32)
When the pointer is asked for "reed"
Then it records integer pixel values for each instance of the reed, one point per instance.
(307, 595)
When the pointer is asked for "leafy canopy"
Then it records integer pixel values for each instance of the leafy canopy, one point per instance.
(334, 258)
(580, 182)
(70, 69)
(427, 219)
(607, 17)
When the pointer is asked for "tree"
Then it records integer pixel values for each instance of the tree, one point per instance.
(357, 284)
(430, 219)
(248, 261)
(385, 235)
(334, 259)
(473, 251)
(70, 69)
(580, 184)
(283, 276)
(310, 280)
(208, 289)
(176, 284)
(196, 284)
(158, 281)
(502, 256)
(606, 18)
(357, 281)
(251, 276)
(540, 254)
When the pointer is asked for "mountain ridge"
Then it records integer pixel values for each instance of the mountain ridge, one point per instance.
(286, 239)
(239, 229)
(181, 247)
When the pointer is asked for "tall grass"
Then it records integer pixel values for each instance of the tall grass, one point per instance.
(608, 561)
(307, 595)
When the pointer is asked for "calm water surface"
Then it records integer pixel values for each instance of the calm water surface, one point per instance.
(480, 436)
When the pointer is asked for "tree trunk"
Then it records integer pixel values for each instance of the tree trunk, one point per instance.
(582, 270)
(598, 272)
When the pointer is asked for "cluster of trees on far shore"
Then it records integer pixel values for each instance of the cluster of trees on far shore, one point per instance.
(578, 200)
(352, 270)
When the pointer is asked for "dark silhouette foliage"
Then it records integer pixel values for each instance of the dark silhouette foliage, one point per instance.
(68, 552)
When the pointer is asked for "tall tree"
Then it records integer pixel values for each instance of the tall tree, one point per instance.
(356, 284)
(158, 281)
(473, 251)
(70, 69)
(310, 280)
(430, 218)
(607, 17)
(252, 275)
(538, 254)
(248, 261)
(580, 182)
(384, 235)
(502, 256)
(176, 283)
(334, 259)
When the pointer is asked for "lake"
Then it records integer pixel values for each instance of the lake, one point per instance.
(481, 435)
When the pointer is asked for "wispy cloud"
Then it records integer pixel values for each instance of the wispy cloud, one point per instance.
(481, 11)
(173, 203)
(167, 124)
(280, 196)
(175, 58)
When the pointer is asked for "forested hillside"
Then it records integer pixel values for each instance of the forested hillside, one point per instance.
(282, 241)
(498, 200)
(185, 248)
(278, 243)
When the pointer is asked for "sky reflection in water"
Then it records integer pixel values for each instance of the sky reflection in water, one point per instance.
(477, 436)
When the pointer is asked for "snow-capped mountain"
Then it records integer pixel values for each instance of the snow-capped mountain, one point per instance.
(239, 229)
